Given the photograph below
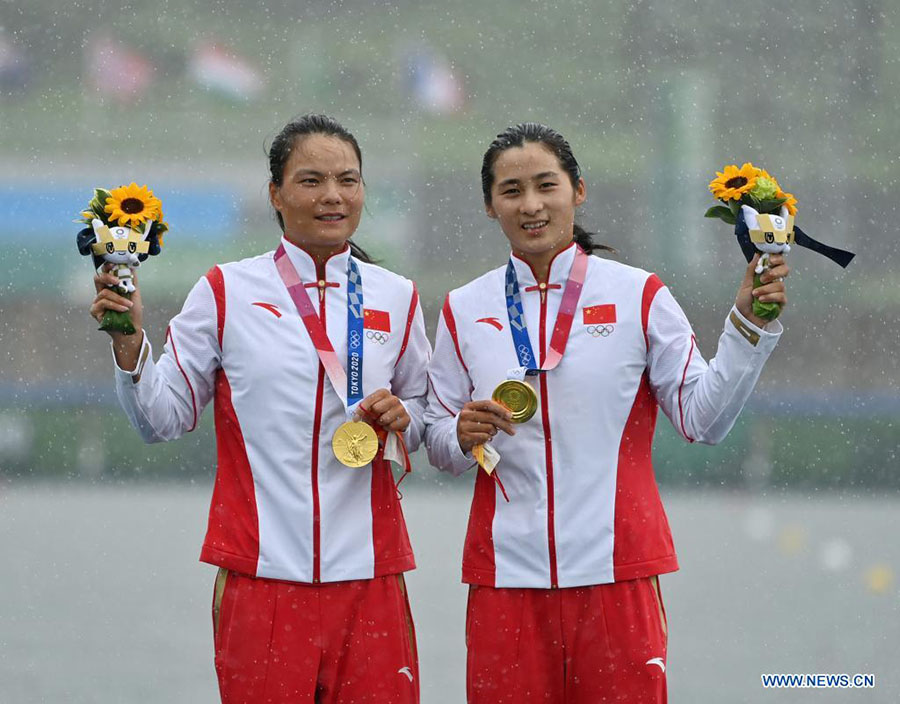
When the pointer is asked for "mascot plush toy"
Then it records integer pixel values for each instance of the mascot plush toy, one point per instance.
(125, 227)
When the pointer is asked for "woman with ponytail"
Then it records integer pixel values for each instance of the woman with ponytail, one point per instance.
(546, 378)
(314, 358)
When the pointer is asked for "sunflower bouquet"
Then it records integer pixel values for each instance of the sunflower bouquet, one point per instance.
(124, 226)
(754, 201)
(763, 218)
(749, 186)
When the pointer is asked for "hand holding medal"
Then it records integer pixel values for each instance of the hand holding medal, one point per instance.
(514, 400)
(479, 422)
(355, 443)
(518, 397)
(378, 417)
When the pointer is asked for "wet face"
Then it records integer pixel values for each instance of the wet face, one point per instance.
(533, 200)
(321, 194)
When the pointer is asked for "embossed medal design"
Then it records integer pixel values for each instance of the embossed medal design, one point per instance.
(518, 397)
(355, 444)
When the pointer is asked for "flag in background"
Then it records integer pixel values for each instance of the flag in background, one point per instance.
(117, 71)
(432, 82)
(223, 71)
(15, 69)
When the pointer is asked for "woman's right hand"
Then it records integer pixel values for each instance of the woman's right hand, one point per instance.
(479, 422)
(127, 347)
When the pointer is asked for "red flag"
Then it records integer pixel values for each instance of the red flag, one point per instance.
(377, 320)
(223, 71)
(600, 315)
(117, 71)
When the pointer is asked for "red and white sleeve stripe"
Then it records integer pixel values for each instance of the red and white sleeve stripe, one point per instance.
(449, 388)
(172, 391)
(702, 400)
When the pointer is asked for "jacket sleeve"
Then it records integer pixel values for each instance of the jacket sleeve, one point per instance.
(410, 382)
(449, 389)
(703, 400)
(164, 399)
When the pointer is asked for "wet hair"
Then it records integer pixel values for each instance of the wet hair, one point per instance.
(541, 134)
(291, 135)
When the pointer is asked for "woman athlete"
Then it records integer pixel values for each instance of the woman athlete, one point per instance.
(567, 533)
(305, 524)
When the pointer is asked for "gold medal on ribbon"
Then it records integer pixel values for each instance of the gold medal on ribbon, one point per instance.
(518, 397)
(355, 444)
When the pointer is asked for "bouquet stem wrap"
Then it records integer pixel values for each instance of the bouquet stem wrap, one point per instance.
(118, 321)
(766, 311)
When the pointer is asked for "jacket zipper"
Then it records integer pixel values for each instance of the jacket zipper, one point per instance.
(548, 440)
(317, 425)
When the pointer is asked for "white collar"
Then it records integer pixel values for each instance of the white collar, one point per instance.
(560, 266)
(335, 269)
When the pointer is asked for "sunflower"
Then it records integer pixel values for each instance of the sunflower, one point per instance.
(162, 227)
(132, 205)
(790, 202)
(734, 182)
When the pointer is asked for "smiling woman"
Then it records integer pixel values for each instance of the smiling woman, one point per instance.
(565, 551)
(310, 602)
(316, 185)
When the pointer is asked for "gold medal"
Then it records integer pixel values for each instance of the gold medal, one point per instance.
(518, 397)
(355, 444)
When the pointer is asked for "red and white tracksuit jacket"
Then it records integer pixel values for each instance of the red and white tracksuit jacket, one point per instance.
(283, 507)
(583, 502)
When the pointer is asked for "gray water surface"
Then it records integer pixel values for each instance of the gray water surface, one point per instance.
(102, 598)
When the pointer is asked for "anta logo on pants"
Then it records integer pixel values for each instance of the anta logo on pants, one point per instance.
(657, 661)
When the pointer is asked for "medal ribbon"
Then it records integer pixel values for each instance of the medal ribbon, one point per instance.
(354, 333)
(561, 328)
(485, 455)
(393, 448)
(317, 333)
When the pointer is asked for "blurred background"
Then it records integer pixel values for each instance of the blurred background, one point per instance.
(785, 531)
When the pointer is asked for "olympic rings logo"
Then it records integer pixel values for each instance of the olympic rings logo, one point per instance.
(524, 354)
(600, 330)
(377, 336)
(355, 339)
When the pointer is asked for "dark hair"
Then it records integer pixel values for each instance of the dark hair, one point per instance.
(288, 138)
(557, 144)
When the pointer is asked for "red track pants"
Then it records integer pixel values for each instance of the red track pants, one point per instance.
(333, 643)
(581, 645)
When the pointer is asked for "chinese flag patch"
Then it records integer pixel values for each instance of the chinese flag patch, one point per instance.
(376, 320)
(600, 315)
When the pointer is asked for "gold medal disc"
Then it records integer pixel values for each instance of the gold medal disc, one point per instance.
(355, 444)
(518, 397)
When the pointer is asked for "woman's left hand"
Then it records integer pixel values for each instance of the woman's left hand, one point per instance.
(385, 409)
(771, 291)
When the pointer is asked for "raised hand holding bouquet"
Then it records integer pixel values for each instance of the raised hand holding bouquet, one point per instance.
(125, 227)
(763, 218)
